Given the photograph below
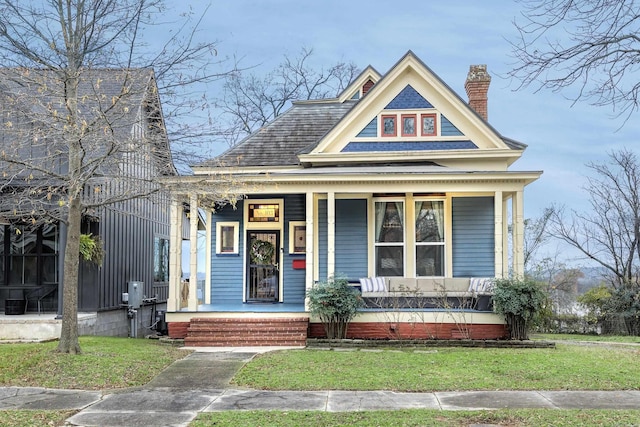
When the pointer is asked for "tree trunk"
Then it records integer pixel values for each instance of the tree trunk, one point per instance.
(69, 331)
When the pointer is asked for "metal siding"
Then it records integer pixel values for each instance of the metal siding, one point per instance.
(128, 239)
(322, 240)
(473, 237)
(294, 280)
(370, 130)
(447, 128)
(351, 238)
(226, 270)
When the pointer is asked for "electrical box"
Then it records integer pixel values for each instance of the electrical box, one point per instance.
(135, 294)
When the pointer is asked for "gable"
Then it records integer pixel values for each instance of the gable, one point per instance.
(410, 110)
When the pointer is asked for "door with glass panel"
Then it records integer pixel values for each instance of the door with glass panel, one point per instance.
(263, 270)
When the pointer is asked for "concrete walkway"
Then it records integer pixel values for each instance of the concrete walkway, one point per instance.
(200, 383)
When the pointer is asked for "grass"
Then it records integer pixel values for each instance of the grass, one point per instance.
(106, 363)
(407, 418)
(592, 338)
(565, 368)
(24, 418)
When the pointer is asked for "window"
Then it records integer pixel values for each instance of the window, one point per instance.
(389, 238)
(408, 125)
(429, 238)
(259, 212)
(227, 237)
(160, 259)
(389, 126)
(429, 127)
(297, 237)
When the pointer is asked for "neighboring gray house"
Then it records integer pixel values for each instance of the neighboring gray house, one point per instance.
(129, 140)
(398, 183)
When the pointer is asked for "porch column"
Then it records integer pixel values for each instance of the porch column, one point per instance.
(331, 234)
(505, 237)
(498, 239)
(207, 265)
(518, 234)
(193, 255)
(175, 254)
(310, 208)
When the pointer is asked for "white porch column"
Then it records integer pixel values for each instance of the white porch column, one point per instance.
(310, 209)
(498, 239)
(505, 238)
(331, 234)
(193, 253)
(518, 234)
(175, 254)
(207, 265)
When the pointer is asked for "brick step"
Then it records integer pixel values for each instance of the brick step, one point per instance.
(247, 332)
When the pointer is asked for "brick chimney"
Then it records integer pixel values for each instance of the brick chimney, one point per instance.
(477, 87)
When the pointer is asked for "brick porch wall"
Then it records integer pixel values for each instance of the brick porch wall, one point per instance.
(382, 330)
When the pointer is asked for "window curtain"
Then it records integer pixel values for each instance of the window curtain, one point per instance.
(380, 210)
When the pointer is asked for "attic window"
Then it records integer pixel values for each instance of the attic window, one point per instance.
(429, 126)
(408, 124)
(388, 126)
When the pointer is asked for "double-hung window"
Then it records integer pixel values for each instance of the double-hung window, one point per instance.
(389, 238)
(430, 238)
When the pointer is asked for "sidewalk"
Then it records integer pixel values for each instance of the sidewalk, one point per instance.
(200, 383)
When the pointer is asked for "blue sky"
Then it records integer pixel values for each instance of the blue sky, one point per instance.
(448, 37)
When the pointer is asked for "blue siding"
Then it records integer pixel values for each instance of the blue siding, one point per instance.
(351, 238)
(447, 128)
(473, 237)
(322, 240)
(226, 269)
(370, 130)
(408, 98)
(294, 286)
(408, 146)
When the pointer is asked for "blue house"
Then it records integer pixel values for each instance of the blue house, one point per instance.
(398, 184)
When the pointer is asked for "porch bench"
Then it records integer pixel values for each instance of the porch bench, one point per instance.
(453, 292)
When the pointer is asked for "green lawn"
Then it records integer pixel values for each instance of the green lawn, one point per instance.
(106, 363)
(422, 418)
(593, 338)
(566, 367)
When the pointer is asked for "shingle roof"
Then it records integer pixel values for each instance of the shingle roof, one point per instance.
(277, 143)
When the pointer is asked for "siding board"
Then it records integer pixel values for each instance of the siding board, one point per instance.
(473, 237)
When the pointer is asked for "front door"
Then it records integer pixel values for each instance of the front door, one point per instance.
(263, 272)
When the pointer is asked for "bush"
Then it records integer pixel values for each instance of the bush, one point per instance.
(335, 303)
(521, 301)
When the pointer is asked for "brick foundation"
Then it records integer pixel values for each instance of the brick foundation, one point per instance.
(380, 330)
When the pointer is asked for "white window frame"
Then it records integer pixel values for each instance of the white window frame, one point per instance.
(391, 244)
(446, 234)
(236, 237)
(292, 245)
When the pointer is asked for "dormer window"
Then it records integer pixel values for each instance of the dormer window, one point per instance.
(408, 125)
(389, 126)
(429, 127)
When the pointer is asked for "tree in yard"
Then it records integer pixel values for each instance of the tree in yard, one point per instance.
(73, 136)
(609, 232)
(535, 236)
(590, 45)
(249, 101)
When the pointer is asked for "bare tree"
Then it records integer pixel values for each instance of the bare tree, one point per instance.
(559, 281)
(81, 119)
(249, 101)
(535, 235)
(608, 233)
(591, 45)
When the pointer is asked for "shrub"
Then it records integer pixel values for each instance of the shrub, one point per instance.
(520, 301)
(335, 303)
